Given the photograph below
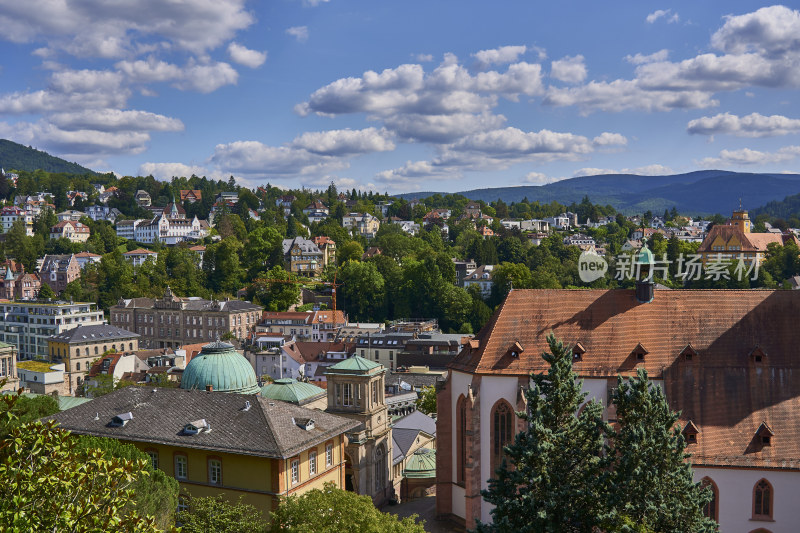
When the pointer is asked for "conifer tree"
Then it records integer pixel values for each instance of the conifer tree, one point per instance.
(550, 479)
(649, 480)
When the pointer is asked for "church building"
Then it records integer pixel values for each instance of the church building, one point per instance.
(727, 360)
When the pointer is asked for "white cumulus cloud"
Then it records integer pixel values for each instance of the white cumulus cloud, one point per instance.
(499, 56)
(244, 56)
(666, 14)
(298, 32)
(165, 171)
(569, 69)
(749, 157)
(752, 125)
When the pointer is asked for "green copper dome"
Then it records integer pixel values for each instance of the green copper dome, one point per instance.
(292, 391)
(219, 365)
(645, 256)
(421, 465)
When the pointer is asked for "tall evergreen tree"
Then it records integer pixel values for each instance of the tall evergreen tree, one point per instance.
(550, 477)
(650, 480)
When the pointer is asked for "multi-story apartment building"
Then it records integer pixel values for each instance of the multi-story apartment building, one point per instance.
(172, 321)
(78, 347)
(327, 246)
(126, 229)
(170, 226)
(303, 256)
(363, 224)
(28, 324)
(59, 270)
(312, 326)
(70, 230)
(383, 348)
(9, 215)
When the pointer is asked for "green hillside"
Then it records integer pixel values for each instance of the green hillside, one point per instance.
(696, 193)
(15, 156)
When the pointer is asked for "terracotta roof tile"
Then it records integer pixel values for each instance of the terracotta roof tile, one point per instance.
(720, 388)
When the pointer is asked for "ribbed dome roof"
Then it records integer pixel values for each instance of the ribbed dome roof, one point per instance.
(218, 364)
(292, 391)
(421, 465)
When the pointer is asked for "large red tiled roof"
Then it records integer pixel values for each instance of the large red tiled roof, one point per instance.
(722, 389)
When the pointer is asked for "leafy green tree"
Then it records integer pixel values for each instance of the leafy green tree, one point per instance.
(47, 483)
(223, 266)
(276, 296)
(47, 292)
(263, 249)
(333, 510)
(650, 477)
(25, 410)
(549, 478)
(426, 400)
(154, 494)
(363, 291)
(349, 251)
(221, 516)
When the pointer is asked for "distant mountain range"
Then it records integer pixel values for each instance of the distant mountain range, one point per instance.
(696, 193)
(18, 157)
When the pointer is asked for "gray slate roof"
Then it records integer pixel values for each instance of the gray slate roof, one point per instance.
(94, 333)
(267, 429)
(417, 420)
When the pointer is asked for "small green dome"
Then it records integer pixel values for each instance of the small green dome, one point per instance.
(219, 365)
(645, 256)
(421, 465)
(292, 391)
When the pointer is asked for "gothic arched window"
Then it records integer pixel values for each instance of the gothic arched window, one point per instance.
(502, 431)
(762, 500)
(461, 439)
(711, 509)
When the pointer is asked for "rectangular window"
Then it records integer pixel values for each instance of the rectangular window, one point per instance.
(181, 467)
(215, 471)
(391, 355)
(376, 355)
(374, 392)
(328, 455)
(312, 463)
(153, 459)
(183, 504)
(347, 399)
(295, 471)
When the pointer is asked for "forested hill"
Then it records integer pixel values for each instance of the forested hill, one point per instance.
(15, 156)
(787, 208)
(702, 192)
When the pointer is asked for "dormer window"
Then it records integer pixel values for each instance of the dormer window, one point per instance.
(689, 353)
(577, 352)
(304, 423)
(198, 426)
(639, 352)
(764, 434)
(515, 349)
(758, 354)
(690, 432)
(121, 419)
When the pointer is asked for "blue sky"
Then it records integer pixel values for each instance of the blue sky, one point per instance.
(402, 96)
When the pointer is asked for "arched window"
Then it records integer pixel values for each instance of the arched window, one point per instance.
(461, 439)
(502, 431)
(762, 500)
(711, 509)
(77, 367)
(130, 346)
(381, 467)
(95, 350)
(87, 350)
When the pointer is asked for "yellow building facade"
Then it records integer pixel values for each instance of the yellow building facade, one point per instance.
(216, 443)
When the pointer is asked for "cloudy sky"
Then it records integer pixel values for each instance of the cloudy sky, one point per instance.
(402, 96)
